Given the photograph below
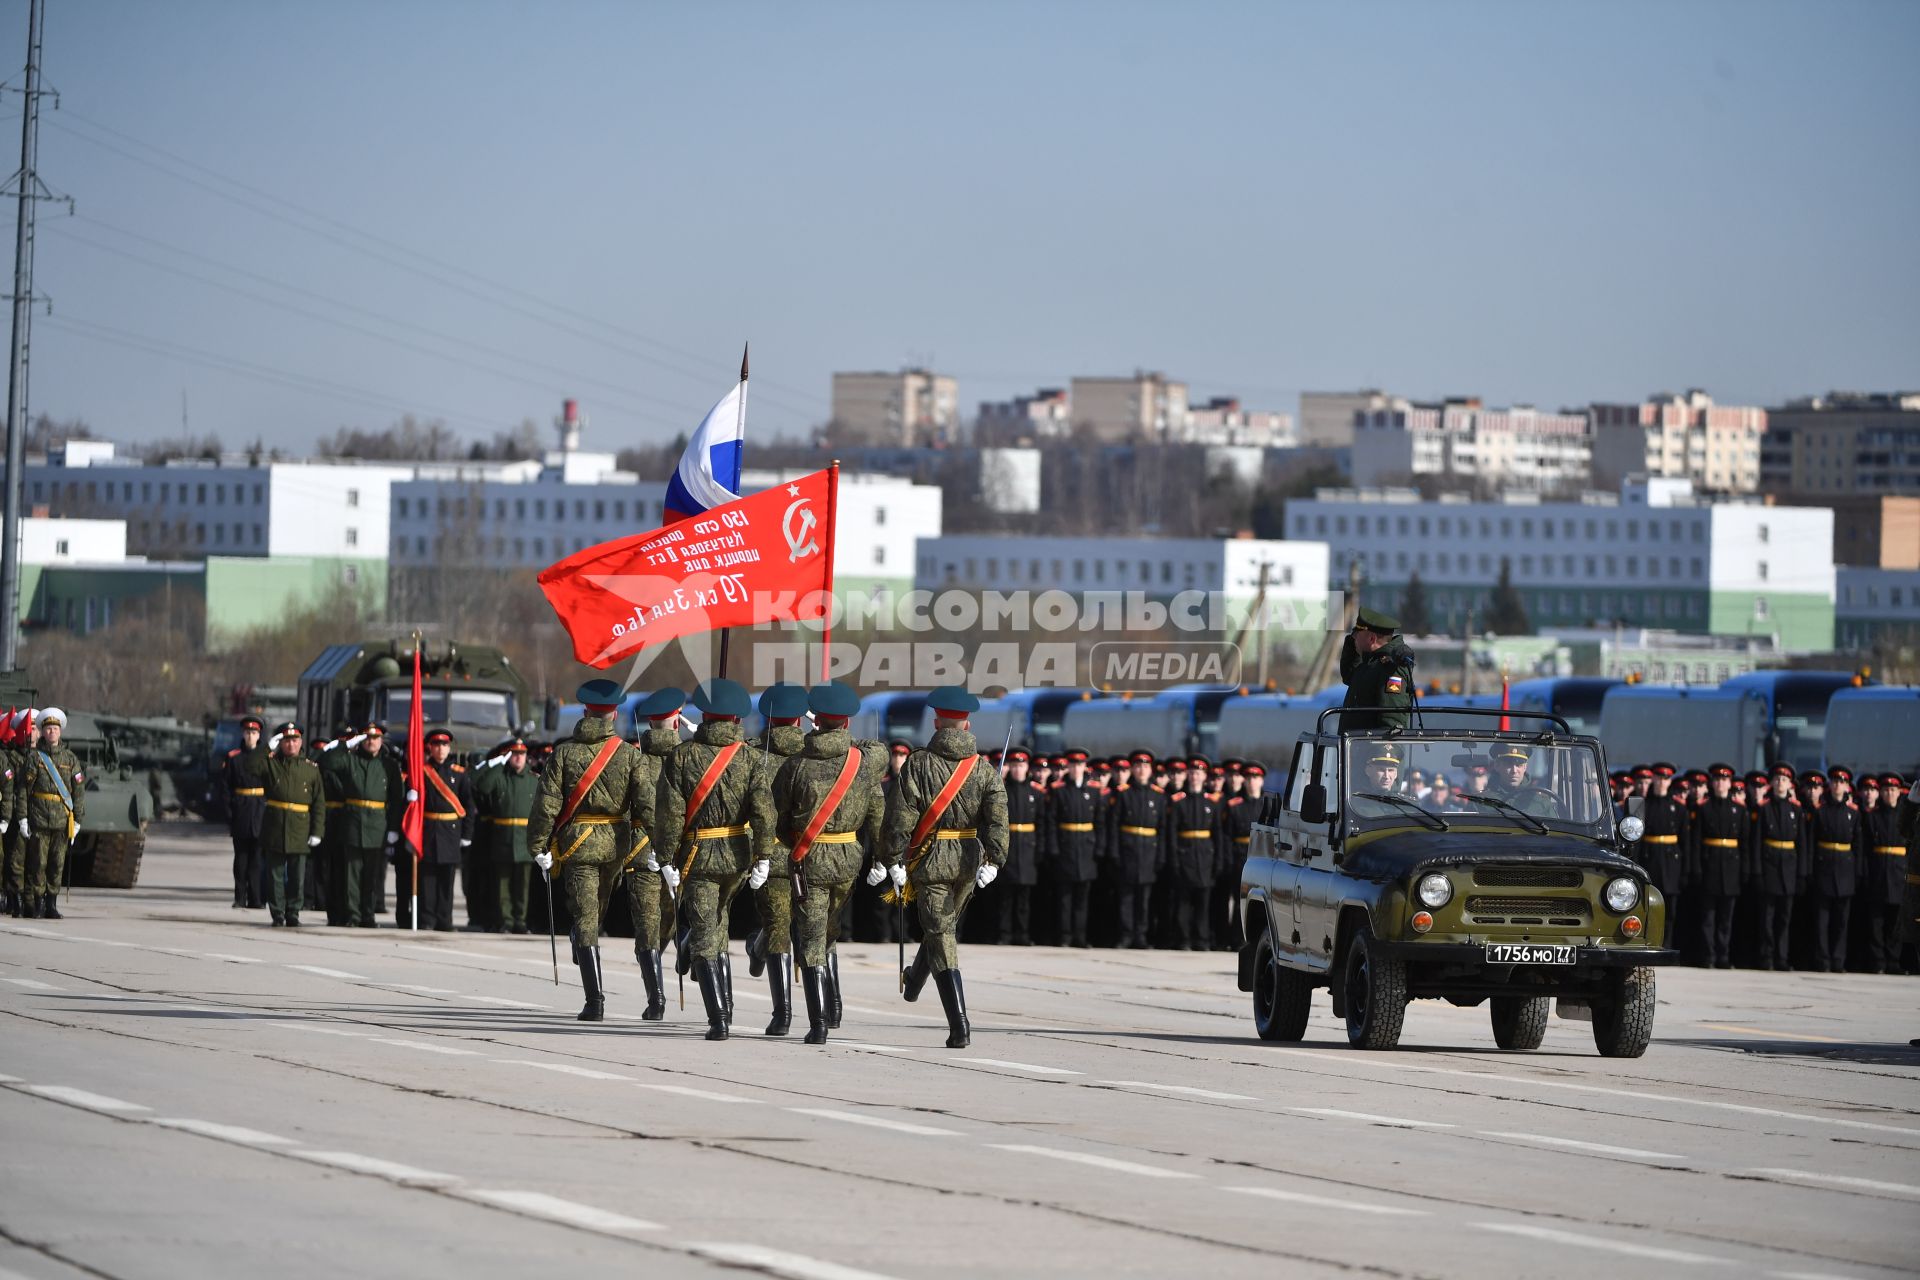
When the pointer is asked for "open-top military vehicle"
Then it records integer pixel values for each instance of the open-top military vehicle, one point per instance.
(1514, 892)
(106, 854)
(472, 691)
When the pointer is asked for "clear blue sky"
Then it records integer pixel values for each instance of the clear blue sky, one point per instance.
(1539, 202)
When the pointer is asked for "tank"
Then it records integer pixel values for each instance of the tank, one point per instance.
(106, 854)
(471, 691)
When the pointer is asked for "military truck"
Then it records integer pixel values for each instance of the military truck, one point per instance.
(106, 854)
(472, 691)
(1518, 895)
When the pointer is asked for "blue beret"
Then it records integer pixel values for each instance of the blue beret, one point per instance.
(783, 701)
(833, 700)
(661, 702)
(952, 700)
(599, 693)
(722, 697)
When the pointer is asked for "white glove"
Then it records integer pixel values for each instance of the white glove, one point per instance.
(984, 876)
(412, 795)
(76, 828)
(4, 824)
(544, 861)
(653, 864)
(26, 828)
(876, 873)
(356, 740)
(670, 876)
(393, 837)
(273, 743)
(313, 842)
(758, 876)
(898, 874)
(464, 844)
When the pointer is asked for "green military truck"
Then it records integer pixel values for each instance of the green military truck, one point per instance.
(1515, 892)
(106, 854)
(472, 691)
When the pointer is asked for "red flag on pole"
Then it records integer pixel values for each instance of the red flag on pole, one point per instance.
(6, 728)
(414, 821)
(1505, 703)
(762, 558)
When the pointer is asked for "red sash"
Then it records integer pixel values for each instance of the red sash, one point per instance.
(595, 768)
(440, 785)
(702, 789)
(942, 802)
(818, 822)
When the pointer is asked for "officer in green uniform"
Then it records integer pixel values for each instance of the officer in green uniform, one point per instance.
(1510, 782)
(1378, 669)
(960, 847)
(589, 854)
(363, 779)
(651, 902)
(709, 850)
(294, 822)
(782, 705)
(824, 870)
(52, 804)
(503, 795)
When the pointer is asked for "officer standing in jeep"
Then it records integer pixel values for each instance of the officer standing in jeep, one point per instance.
(1377, 667)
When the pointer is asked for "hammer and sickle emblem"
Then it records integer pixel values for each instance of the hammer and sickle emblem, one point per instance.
(795, 526)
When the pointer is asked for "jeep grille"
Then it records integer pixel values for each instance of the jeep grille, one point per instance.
(1532, 877)
(1560, 911)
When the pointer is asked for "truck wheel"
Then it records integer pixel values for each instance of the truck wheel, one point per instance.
(116, 860)
(1376, 988)
(1623, 1023)
(1520, 1022)
(1282, 999)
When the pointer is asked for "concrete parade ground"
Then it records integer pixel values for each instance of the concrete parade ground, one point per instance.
(185, 1091)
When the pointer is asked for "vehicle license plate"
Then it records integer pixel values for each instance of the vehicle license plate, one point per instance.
(1527, 953)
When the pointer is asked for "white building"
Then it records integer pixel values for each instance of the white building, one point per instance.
(1662, 558)
(1518, 448)
(1717, 447)
(1156, 567)
(45, 540)
(1221, 421)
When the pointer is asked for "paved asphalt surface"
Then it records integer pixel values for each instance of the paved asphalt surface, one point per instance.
(187, 1092)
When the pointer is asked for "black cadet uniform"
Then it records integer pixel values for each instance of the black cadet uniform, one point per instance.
(1883, 876)
(1193, 858)
(1776, 869)
(1026, 808)
(1073, 839)
(1721, 829)
(1833, 855)
(1136, 844)
(242, 777)
(448, 828)
(1664, 849)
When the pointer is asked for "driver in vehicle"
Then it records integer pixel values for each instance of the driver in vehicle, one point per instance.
(1511, 761)
(1382, 778)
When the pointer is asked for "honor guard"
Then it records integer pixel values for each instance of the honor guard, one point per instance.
(1883, 866)
(363, 780)
(50, 804)
(713, 832)
(10, 769)
(1833, 857)
(293, 824)
(503, 798)
(1377, 667)
(245, 795)
(1663, 850)
(651, 902)
(1026, 803)
(1193, 856)
(830, 810)
(1721, 832)
(1777, 866)
(447, 791)
(1243, 810)
(589, 786)
(770, 948)
(946, 835)
(1136, 843)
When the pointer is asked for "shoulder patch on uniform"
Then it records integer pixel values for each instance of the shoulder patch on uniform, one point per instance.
(234, 752)
(1056, 783)
(1178, 796)
(1236, 800)
(79, 776)
(1396, 684)
(459, 768)
(1156, 787)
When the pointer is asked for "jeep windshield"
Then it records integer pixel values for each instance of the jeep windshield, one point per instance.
(1476, 783)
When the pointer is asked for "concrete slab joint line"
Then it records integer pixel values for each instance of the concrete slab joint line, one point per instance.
(537, 1204)
(1097, 1162)
(778, 1262)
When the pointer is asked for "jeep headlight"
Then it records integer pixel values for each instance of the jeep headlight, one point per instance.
(1434, 890)
(1622, 895)
(1632, 829)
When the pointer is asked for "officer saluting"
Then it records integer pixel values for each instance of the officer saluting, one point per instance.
(946, 834)
(1136, 820)
(1777, 866)
(1721, 834)
(1377, 667)
(504, 797)
(652, 903)
(294, 822)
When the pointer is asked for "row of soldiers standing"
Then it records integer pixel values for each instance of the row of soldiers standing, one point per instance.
(43, 801)
(1782, 848)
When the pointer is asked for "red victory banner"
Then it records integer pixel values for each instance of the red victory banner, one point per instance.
(768, 556)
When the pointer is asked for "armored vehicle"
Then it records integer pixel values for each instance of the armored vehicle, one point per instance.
(1516, 892)
(106, 853)
(472, 691)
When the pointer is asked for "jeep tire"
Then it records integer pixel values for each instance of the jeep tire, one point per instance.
(1520, 1022)
(1376, 994)
(1282, 998)
(1623, 1022)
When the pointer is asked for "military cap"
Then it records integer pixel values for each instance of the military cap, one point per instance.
(1176, 763)
(783, 701)
(900, 744)
(832, 699)
(1663, 770)
(1230, 765)
(1060, 761)
(517, 743)
(1020, 753)
(1074, 755)
(1471, 760)
(1759, 775)
(1254, 770)
(1868, 782)
(952, 701)
(1383, 754)
(722, 697)
(1892, 780)
(53, 715)
(1511, 751)
(374, 729)
(599, 693)
(1643, 771)
(661, 703)
(438, 735)
(1720, 770)
(1840, 773)
(1696, 775)
(1814, 778)
(286, 730)
(250, 722)
(1374, 620)
(1142, 756)
(1198, 762)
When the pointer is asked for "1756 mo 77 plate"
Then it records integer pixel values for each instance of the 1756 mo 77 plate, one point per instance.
(1528, 953)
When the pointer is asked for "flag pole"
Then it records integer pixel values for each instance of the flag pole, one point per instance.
(740, 425)
(833, 515)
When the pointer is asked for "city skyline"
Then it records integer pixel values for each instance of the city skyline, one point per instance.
(301, 221)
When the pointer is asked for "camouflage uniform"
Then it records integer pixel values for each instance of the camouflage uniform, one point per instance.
(774, 899)
(296, 811)
(647, 897)
(11, 767)
(942, 871)
(37, 799)
(713, 848)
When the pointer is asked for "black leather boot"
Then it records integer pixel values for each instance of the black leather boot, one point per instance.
(652, 972)
(595, 1009)
(726, 986)
(52, 911)
(780, 984)
(682, 959)
(917, 975)
(757, 952)
(32, 911)
(833, 988)
(12, 906)
(953, 998)
(813, 983)
(707, 974)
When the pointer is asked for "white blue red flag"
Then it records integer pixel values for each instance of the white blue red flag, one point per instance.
(709, 472)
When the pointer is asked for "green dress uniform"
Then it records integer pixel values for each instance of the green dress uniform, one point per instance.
(296, 812)
(713, 849)
(1383, 678)
(586, 851)
(650, 902)
(942, 870)
(51, 793)
(504, 799)
(365, 801)
(827, 872)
